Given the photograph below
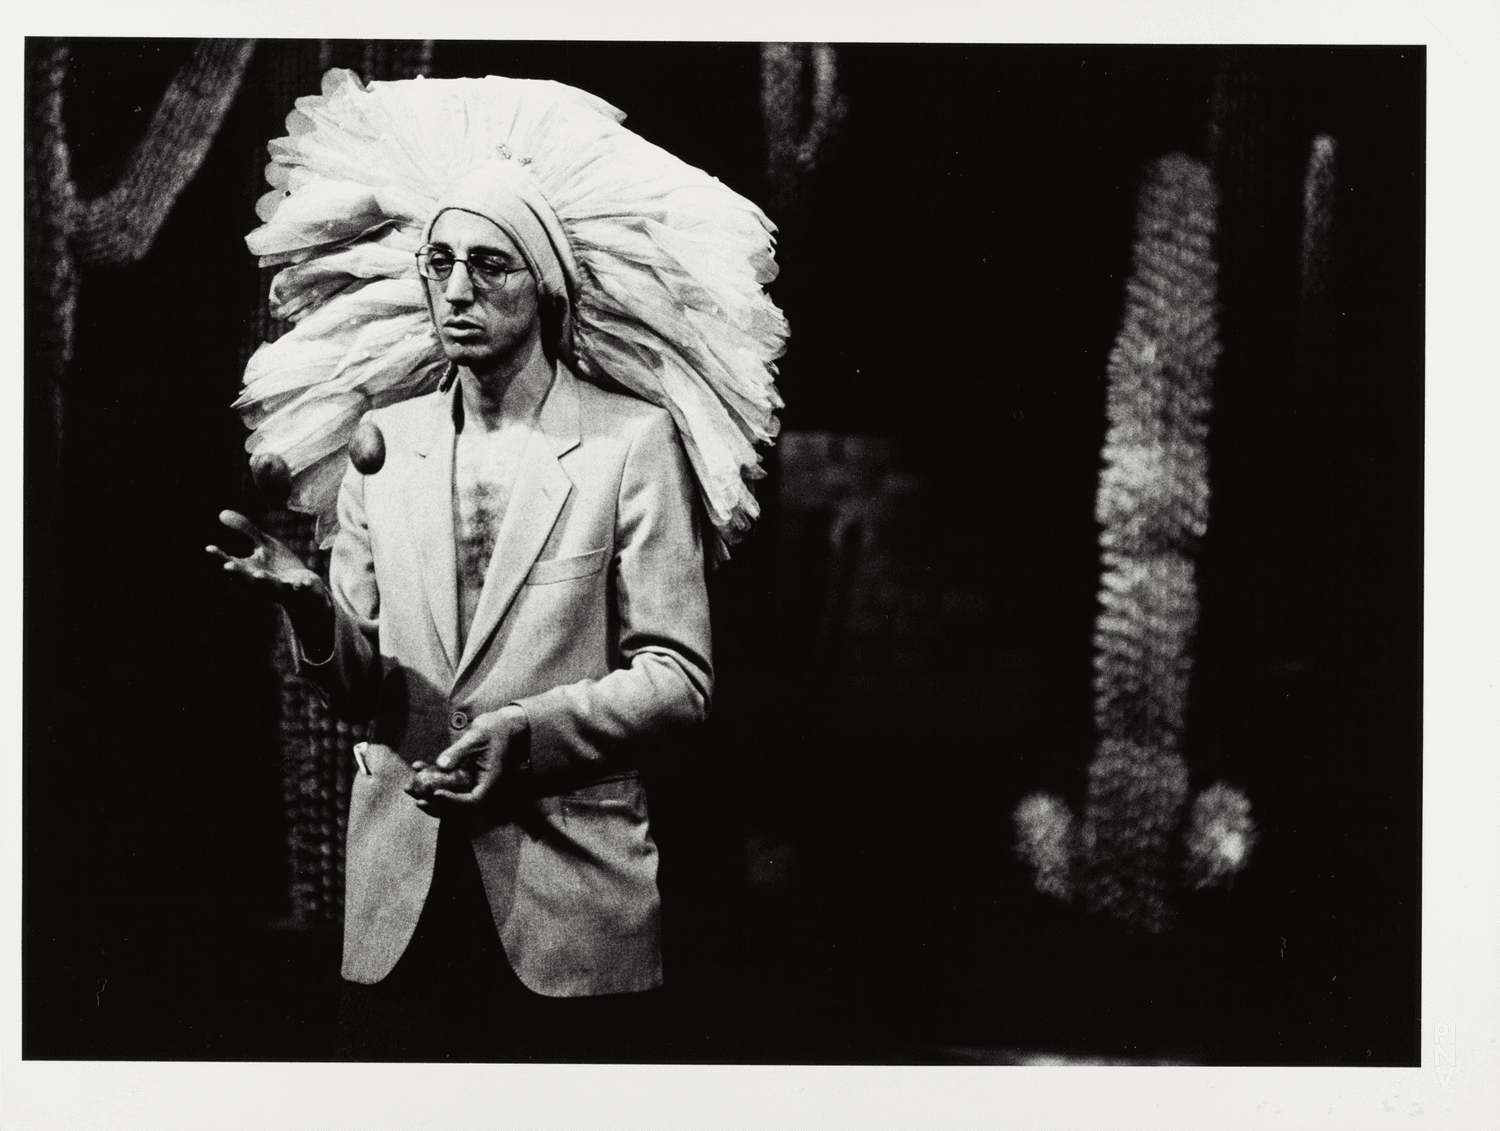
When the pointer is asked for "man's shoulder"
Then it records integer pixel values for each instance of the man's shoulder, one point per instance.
(606, 412)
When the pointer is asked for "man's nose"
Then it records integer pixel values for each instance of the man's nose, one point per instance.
(460, 287)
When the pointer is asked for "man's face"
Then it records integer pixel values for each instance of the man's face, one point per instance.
(480, 329)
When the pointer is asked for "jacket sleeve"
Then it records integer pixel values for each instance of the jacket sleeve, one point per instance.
(661, 622)
(350, 676)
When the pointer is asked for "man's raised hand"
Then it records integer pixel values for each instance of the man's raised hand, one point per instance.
(274, 571)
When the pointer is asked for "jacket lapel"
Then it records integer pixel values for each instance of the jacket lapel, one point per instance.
(542, 486)
(429, 502)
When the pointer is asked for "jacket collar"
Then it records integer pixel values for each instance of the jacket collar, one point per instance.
(542, 486)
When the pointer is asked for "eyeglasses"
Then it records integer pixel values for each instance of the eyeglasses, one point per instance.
(486, 272)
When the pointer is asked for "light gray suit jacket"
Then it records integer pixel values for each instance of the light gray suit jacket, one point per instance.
(593, 618)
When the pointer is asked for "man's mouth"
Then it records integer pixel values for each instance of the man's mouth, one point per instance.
(462, 328)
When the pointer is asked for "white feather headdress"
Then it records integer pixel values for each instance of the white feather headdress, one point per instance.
(671, 269)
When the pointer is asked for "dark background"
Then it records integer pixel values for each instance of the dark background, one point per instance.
(838, 872)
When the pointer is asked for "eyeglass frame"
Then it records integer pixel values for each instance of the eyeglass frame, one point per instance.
(425, 253)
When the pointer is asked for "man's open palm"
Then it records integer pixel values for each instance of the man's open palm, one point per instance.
(274, 571)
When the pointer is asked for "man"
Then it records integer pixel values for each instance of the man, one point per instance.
(517, 599)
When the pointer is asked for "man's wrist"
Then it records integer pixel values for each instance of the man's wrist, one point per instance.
(312, 619)
(518, 746)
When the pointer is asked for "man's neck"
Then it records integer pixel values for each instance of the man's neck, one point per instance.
(489, 395)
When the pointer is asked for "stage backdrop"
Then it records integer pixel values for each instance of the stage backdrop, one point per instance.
(906, 647)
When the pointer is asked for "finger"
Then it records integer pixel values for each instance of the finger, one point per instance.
(243, 568)
(464, 799)
(454, 757)
(231, 561)
(236, 521)
(433, 807)
(246, 568)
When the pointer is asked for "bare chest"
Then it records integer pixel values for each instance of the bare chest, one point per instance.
(485, 466)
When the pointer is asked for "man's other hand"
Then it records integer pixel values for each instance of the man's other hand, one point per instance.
(473, 768)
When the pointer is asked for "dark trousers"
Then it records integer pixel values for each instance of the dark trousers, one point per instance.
(453, 996)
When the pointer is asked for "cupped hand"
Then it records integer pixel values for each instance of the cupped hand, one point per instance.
(270, 566)
(472, 769)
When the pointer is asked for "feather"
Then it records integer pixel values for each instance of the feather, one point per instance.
(672, 269)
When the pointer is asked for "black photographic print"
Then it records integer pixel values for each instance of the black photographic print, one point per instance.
(1067, 614)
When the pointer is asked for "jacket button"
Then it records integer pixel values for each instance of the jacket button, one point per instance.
(459, 720)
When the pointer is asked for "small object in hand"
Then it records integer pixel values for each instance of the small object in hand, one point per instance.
(367, 449)
(359, 756)
(429, 778)
(273, 478)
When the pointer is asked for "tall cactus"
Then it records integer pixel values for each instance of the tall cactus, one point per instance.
(1153, 506)
(66, 232)
(1318, 191)
(801, 108)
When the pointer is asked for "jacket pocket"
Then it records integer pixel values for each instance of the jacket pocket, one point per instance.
(565, 569)
(616, 796)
